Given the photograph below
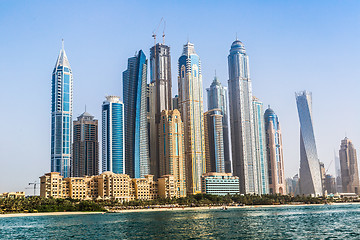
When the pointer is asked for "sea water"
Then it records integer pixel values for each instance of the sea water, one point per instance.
(284, 222)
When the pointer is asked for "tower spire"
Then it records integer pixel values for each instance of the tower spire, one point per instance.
(62, 44)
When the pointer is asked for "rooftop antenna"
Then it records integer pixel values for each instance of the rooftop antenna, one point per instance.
(269, 106)
(85, 107)
(215, 72)
(62, 44)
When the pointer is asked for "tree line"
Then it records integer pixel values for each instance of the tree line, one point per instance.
(40, 204)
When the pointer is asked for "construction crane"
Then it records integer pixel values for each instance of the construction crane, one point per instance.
(35, 184)
(156, 30)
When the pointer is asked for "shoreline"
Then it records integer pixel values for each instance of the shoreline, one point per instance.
(164, 209)
(6, 215)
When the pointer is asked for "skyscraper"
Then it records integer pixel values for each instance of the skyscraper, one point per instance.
(172, 153)
(160, 98)
(260, 147)
(85, 146)
(217, 98)
(175, 102)
(214, 141)
(349, 167)
(310, 177)
(241, 119)
(338, 173)
(61, 115)
(136, 124)
(113, 146)
(276, 174)
(191, 109)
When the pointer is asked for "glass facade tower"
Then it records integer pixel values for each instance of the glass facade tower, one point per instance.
(260, 147)
(191, 109)
(160, 98)
(214, 141)
(135, 93)
(61, 115)
(241, 119)
(217, 99)
(113, 146)
(85, 146)
(310, 176)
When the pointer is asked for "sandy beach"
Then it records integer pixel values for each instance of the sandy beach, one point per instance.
(164, 209)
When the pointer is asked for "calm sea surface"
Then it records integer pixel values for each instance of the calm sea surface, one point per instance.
(302, 222)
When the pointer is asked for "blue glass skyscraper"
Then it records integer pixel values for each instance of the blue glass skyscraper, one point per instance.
(136, 123)
(310, 177)
(61, 115)
(241, 119)
(113, 147)
(260, 146)
(217, 99)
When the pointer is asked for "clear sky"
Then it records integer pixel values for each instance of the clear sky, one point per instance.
(292, 46)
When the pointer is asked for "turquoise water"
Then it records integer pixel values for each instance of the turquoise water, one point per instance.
(302, 222)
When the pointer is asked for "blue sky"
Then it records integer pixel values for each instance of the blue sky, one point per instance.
(292, 45)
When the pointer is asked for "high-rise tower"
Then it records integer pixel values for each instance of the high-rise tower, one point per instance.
(349, 167)
(61, 115)
(85, 146)
(310, 177)
(191, 109)
(260, 147)
(136, 123)
(217, 99)
(172, 154)
(276, 172)
(113, 146)
(241, 119)
(160, 98)
(214, 141)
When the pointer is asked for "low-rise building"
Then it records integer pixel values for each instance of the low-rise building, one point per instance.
(220, 183)
(12, 195)
(167, 187)
(107, 185)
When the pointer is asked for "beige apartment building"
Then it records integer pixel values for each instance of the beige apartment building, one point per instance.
(167, 186)
(172, 152)
(107, 185)
(12, 195)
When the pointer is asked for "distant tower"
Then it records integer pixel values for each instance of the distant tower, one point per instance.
(113, 147)
(85, 146)
(310, 177)
(172, 153)
(175, 102)
(214, 141)
(160, 98)
(338, 174)
(191, 109)
(217, 99)
(260, 147)
(349, 167)
(135, 92)
(61, 115)
(241, 119)
(274, 151)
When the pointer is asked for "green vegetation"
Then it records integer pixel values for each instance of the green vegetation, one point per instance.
(38, 204)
